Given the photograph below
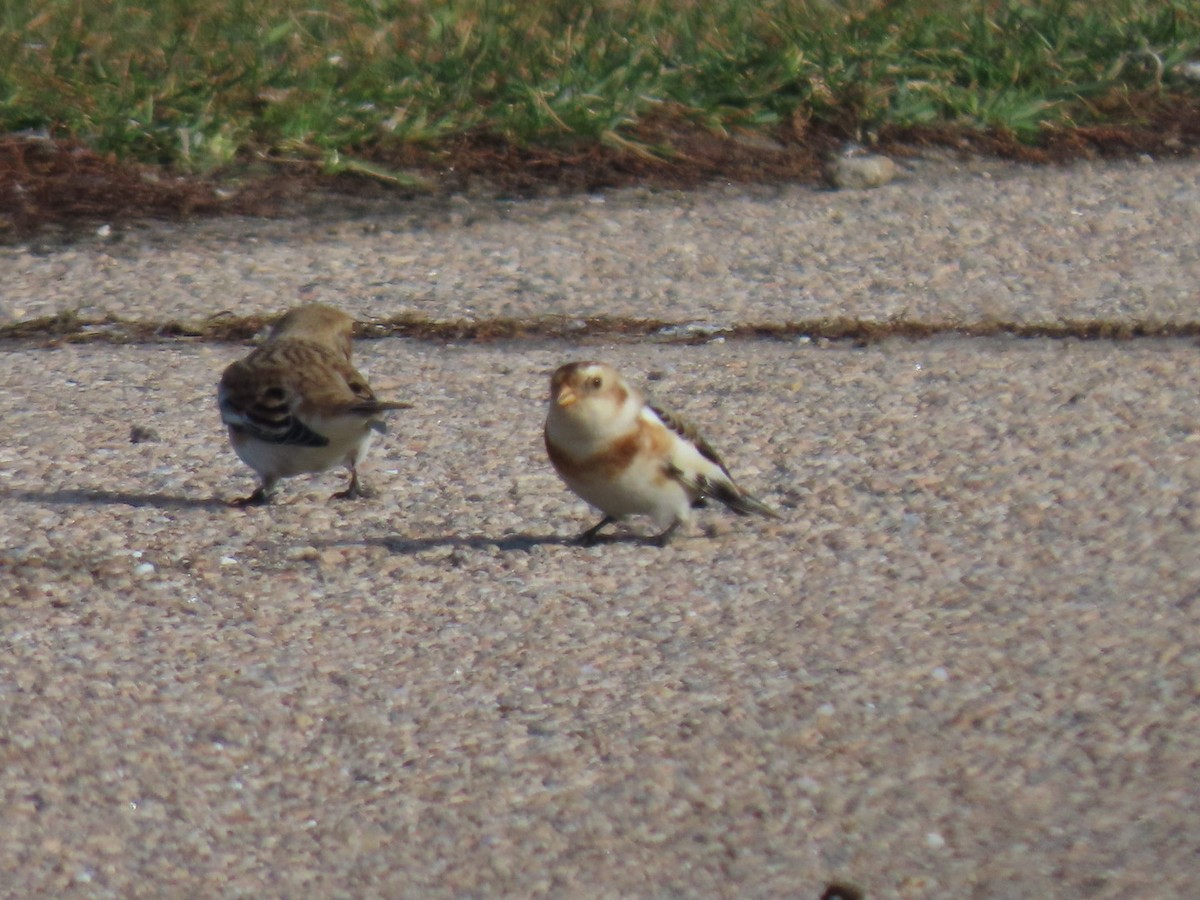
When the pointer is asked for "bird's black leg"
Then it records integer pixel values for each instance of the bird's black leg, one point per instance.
(261, 496)
(354, 490)
(664, 536)
(258, 498)
(588, 538)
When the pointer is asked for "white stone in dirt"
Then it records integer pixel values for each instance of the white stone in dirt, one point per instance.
(859, 170)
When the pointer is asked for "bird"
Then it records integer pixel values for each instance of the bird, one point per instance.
(626, 456)
(297, 405)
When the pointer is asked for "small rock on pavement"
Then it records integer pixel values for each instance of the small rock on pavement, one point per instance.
(143, 434)
(858, 170)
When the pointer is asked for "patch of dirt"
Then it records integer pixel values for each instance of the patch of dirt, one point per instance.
(58, 185)
(1165, 128)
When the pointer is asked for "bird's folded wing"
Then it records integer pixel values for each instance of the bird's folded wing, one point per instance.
(717, 487)
(688, 432)
(271, 421)
(258, 401)
(690, 469)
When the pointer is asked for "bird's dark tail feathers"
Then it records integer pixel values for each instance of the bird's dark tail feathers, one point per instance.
(742, 503)
(724, 491)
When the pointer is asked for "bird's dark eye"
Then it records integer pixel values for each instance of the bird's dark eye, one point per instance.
(597, 381)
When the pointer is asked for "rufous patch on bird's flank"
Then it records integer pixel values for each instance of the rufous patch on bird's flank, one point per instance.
(619, 455)
(562, 461)
(609, 464)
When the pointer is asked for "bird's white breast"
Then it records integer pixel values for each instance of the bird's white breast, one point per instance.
(287, 460)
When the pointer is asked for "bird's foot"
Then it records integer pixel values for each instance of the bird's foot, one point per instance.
(592, 535)
(354, 491)
(258, 498)
(664, 537)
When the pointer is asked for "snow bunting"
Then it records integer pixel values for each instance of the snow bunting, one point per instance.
(296, 404)
(627, 457)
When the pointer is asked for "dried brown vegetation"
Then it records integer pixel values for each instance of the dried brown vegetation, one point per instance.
(57, 184)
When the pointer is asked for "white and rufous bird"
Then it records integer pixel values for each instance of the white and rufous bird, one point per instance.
(296, 404)
(627, 457)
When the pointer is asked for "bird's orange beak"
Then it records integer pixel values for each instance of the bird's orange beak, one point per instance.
(566, 397)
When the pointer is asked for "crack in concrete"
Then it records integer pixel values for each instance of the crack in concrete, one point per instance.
(69, 328)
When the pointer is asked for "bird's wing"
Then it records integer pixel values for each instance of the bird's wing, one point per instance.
(261, 404)
(689, 433)
(699, 468)
(297, 392)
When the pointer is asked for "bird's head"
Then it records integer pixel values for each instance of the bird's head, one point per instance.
(591, 394)
(318, 323)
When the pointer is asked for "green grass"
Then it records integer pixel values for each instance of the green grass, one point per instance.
(196, 83)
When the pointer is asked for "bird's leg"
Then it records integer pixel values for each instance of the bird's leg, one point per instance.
(664, 536)
(258, 498)
(355, 489)
(588, 538)
(261, 496)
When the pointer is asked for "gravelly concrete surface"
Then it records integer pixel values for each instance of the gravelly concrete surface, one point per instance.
(970, 242)
(963, 665)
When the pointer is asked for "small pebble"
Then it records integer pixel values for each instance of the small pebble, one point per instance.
(859, 170)
(143, 434)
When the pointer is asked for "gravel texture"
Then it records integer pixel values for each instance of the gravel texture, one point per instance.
(964, 664)
(977, 242)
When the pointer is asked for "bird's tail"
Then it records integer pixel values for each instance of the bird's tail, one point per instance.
(745, 504)
(373, 408)
(718, 488)
(382, 406)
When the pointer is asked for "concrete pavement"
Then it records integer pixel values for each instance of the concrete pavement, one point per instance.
(963, 664)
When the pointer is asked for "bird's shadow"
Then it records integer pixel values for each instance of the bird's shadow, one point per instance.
(520, 542)
(99, 497)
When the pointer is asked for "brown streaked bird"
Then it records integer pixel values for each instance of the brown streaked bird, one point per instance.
(627, 457)
(296, 404)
